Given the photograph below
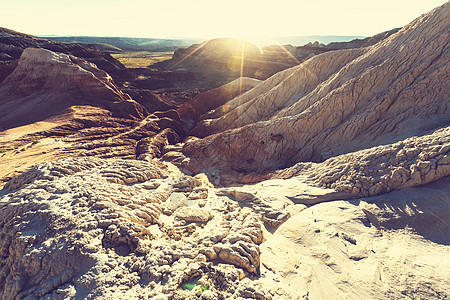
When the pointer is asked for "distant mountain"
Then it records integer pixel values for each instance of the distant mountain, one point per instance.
(219, 60)
(127, 43)
(301, 40)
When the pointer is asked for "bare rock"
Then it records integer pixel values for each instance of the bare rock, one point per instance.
(208, 295)
(412, 162)
(67, 107)
(337, 102)
(268, 208)
(93, 227)
(193, 214)
(175, 201)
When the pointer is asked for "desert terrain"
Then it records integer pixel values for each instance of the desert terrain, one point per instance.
(222, 170)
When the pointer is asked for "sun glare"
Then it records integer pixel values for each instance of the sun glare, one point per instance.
(250, 20)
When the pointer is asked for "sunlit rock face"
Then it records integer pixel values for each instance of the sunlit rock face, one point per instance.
(225, 52)
(334, 103)
(55, 105)
(90, 227)
(45, 83)
(223, 60)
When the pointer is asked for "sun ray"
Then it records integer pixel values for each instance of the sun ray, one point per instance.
(187, 56)
(289, 53)
(242, 66)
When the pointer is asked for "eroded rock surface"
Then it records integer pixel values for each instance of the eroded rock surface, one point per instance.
(370, 172)
(334, 103)
(94, 228)
(55, 105)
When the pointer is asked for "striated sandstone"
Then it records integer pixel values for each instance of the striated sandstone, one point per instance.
(411, 162)
(334, 103)
(55, 105)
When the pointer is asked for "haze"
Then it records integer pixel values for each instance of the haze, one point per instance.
(207, 18)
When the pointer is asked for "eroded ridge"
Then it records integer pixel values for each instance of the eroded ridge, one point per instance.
(334, 103)
(378, 170)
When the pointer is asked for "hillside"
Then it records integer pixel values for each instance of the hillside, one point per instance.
(334, 103)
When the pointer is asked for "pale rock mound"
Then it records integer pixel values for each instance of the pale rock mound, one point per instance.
(334, 103)
(93, 228)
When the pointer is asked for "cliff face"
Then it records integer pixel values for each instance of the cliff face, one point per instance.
(337, 102)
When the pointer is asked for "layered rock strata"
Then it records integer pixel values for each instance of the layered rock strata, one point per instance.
(334, 103)
(54, 105)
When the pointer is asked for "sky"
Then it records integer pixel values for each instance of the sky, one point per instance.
(209, 18)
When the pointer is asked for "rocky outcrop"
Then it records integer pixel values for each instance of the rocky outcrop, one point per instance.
(337, 102)
(378, 170)
(13, 43)
(139, 83)
(55, 105)
(358, 43)
(45, 83)
(94, 228)
(222, 60)
(225, 51)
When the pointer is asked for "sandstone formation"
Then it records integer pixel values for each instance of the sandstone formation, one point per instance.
(216, 53)
(54, 105)
(370, 172)
(221, 60)
(329, 180)
(93, 228)
(12, 44)
(139, 83)
(35, 89)
(358, 43)
(334, 103)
